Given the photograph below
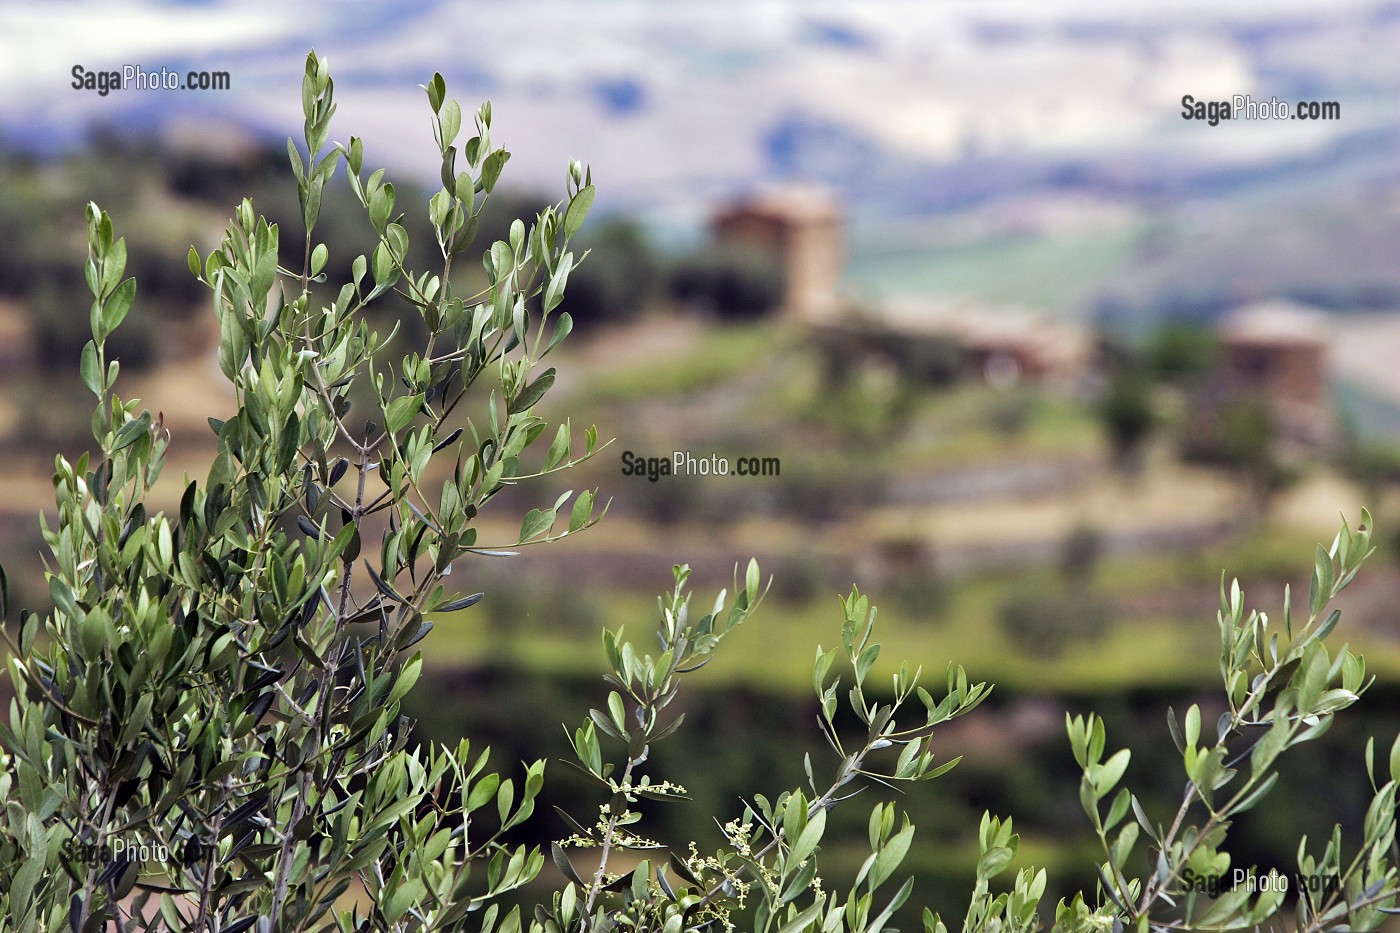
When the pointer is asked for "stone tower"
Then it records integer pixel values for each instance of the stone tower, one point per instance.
(801, 229)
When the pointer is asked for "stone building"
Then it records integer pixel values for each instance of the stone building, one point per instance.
(937, 342)
(801, 229)
(1277, 352)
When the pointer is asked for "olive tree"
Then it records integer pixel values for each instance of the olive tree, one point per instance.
(206, 732)
(222, 684)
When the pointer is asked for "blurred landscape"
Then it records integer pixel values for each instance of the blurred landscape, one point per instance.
(1025, 355)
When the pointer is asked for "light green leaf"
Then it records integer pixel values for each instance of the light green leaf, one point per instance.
(407, 678)
(114, 312)
(577, 210)
(91, 369)
(582, 511)
(536, 523)
(401, 411)
(451, 116)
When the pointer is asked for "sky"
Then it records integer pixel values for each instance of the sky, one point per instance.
(675, 105)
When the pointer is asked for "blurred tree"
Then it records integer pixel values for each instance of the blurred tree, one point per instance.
(1052, 622)
(619, 278)
(1129, 416)
(1249, 444)
(728, 283)
(1080, 554)
(1372, 464)
(1181, 353)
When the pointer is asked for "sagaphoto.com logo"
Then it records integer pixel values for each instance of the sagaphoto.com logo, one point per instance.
(139, 78)
(1244, 107)
(685, 463)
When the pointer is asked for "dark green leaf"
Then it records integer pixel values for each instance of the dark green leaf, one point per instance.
(383, 587)
(532, 393)
(447, 441)
(459, 604)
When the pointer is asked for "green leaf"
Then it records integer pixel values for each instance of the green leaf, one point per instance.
(536, 523)
(400, 412)
(559, 449)
(1322, 580)
(562, 327)
(437, 90)
(407, 678)
(1112, 772)
(1270, 745)
(582, 511)
(114, 312)
(808, 838)
(532, 393)
(805, 919)
(136, 721)
(483, 791)
(617, 711)
(491, 169)
(129, 432)
(114, 266)
(404, 896)
(577, 210)
(1256, 795)
(457, 605)
(318, 258)
(994, 861)
(451, 117)
(1118, 810)
(91, 369)
(554, 291)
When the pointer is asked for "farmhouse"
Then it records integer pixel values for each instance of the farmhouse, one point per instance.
(1277, 352)
(800, 228)
(1273, 354)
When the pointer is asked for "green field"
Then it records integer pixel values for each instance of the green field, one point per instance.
(775, 649)
(1053, 272)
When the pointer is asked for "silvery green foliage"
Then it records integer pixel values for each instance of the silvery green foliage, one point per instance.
(222, 685)
(767, 876)
(206, 734)
(1282, 688)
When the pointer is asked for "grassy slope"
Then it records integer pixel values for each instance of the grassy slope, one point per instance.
(1050, 272)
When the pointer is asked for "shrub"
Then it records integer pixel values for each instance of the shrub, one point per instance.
(621, 278)
(1181, 353)
(1081, 553)
(1129, 416)
(1050, 622)
(728, 283)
